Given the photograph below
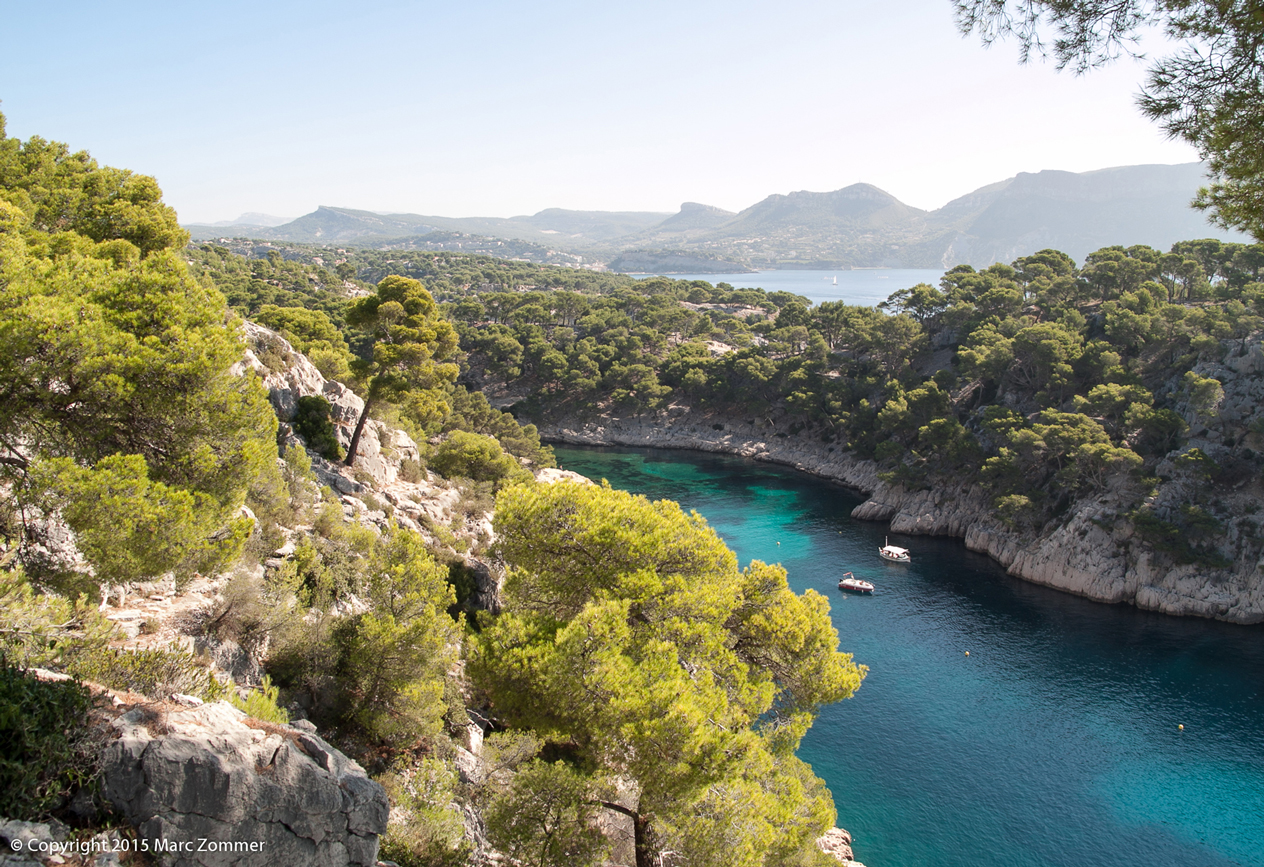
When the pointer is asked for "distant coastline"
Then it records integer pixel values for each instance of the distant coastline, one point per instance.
(861, 286)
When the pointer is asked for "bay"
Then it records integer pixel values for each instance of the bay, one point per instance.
(863, 287)
(1055, 742)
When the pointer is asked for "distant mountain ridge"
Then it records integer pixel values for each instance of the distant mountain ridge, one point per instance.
(856, 226)
(1073, 212)
(575, 229)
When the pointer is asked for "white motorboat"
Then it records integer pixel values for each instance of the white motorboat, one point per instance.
(854, 584)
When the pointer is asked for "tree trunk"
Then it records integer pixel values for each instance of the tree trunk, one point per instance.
(355, 437)
(640, 832)
(644, 851)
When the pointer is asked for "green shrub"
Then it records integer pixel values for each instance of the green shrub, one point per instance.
(547, 817)
(329, 518)
(1179, 539)
(249, 608)
(477, 499)
(1016, 511)
(433, 835)
(480, 458)
(48, 749)
(311, 422)
(47, 630)
(411, 471)
(154, 673)
(272, 353)
(382, 670)
(393, 657)
(262, 703)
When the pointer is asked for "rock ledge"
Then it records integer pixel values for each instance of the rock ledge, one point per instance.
(210, 776)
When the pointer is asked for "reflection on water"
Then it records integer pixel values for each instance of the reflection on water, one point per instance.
(864, 287)
(1055, 742)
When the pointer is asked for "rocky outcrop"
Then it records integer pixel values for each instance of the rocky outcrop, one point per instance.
(678, 428)
(837, 844)
(288, 375)
(551, 475)
(234, 791)
(1091, 551)
(379, 479)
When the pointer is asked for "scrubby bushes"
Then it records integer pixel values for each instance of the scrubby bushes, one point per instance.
(479, 458)
(155, 672)
(379, 666)
(48, 752)
(311, 422)
(546, 817)
(47, 630)
(424, 790)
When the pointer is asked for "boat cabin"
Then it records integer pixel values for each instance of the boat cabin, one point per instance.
(894, 554)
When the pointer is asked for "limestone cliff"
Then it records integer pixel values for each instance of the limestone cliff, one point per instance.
(240, 792)
(1092, 551)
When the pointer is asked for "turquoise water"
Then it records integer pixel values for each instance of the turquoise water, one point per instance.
(1054, 742)
(865, 287)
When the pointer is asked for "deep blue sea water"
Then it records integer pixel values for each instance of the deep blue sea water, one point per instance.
(865, 287)
(1055, 742)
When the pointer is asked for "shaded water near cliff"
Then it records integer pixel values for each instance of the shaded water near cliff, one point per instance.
(1055, 742)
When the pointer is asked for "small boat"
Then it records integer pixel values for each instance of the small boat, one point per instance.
(854, 584)
(892, 554)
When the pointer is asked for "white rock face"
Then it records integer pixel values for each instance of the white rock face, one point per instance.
(1091, 554)
(550, 475)
(837, 844)
(205, 774)
(381, 449)
(416, 505)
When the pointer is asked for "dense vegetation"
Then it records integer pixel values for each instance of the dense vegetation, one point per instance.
(118, 412)
(331, 317)
(633, 667)
(631, 636)
(128, 422)
(1043, 380)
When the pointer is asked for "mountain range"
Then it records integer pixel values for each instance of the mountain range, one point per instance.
(857, 226)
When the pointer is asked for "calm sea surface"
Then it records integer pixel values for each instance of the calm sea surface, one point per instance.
(1054, 742)
(865, 288)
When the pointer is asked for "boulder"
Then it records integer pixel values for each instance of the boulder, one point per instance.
(837, 844)
(210, 787)
(550, 475)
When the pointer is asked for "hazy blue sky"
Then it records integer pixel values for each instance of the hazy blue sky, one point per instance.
(495, 109)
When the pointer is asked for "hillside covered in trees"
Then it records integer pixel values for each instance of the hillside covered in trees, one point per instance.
(1038, 385)
(1044, 382)
(626, 673)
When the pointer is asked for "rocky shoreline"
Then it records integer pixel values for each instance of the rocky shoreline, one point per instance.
(1092, 552)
